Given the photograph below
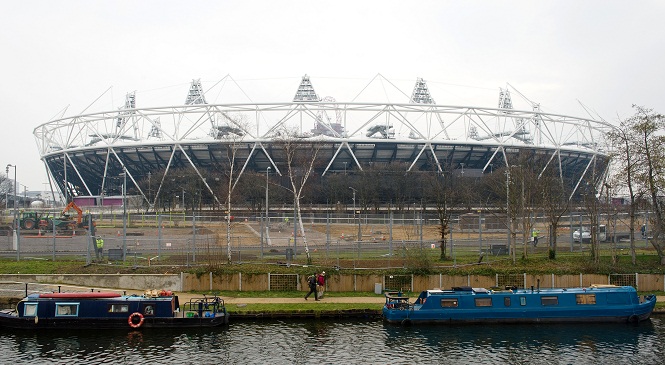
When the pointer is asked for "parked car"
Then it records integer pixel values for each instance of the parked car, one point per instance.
(585, 236)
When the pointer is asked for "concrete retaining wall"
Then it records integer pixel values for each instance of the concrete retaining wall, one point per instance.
(335, 283)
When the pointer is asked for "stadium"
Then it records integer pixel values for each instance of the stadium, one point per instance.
(90, 156)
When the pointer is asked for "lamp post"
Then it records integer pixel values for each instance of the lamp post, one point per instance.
(183, 200)
(17, 225)
(354, 212)
(150, 204)
(267, 217)
(124, 213)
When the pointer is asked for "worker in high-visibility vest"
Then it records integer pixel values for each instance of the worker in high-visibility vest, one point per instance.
(99, 243)
(534, 233)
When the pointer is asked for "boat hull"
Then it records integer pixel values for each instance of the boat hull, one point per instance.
(408, 320)
(12, 321)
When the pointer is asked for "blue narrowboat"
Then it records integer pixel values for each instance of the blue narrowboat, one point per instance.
(597, 303)
(108, 310)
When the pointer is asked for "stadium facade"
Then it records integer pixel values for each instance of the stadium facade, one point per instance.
(84, 154)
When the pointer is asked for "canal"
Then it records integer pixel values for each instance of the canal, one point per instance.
(344, 342)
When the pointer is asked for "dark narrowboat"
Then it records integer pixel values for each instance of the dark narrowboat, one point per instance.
(106, 310)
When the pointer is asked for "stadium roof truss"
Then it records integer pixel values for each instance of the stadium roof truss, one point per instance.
(81, 153)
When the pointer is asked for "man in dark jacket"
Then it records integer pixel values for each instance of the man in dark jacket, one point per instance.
(311, 281)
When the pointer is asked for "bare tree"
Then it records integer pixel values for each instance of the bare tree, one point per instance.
(440, 191)
(650, 144)
(627, 161)
(300, 156)
(232, 137)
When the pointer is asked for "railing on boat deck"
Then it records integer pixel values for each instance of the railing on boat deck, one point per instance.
(203, 307)
(395, 300)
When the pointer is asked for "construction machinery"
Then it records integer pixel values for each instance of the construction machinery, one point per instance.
(44, 221)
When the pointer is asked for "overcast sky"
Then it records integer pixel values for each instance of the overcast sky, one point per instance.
(56, 54)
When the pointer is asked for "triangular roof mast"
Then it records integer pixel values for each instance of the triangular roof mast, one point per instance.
(504, 99)
(306, 91)
(130, 103)
(195, 95)
(421, 94)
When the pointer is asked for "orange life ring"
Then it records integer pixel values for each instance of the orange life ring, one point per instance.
(131, 322)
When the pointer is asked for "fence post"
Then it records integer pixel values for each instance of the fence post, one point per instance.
(552, 280)
(194, 236)
(327, 233)
(159, 236)
(390, 230)
(524, 280)
(637, 281)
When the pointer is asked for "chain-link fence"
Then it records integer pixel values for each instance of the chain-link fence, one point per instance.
(407, 239)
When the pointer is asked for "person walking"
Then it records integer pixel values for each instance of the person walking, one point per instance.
(99, 243)
(311, 281)
(534, 233)
(321, 284)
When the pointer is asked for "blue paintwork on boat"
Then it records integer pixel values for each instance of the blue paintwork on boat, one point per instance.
(602, 303)
(89, 310)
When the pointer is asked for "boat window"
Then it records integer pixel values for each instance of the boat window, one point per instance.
(506, 301)
(30, 309)
(450, 303)
(549, 300)
(522, 300)
(149, 309)
(66, 309)
(585, 298)
(483, 302)
(118, 308)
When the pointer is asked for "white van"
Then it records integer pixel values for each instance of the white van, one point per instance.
(586, 234)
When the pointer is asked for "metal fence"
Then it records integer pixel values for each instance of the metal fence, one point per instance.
(365, 240)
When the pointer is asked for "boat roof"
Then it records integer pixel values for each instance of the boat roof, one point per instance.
(467, 290)
(88, 295)
(97, 295)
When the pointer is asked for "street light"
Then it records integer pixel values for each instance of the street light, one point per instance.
(124, 213)
(267, 219)
(354, 212)
(17, 225)
(183, 200)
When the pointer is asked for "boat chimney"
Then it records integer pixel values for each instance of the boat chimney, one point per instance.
(59, 286)
(26, 289)
(538, 282)
(532, 288)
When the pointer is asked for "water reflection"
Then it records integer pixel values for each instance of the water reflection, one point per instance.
(528, 343)
(338, 341)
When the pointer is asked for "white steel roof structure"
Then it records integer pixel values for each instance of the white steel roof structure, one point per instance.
(81, 152)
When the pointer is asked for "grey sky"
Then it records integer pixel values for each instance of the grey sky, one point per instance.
(606, 54)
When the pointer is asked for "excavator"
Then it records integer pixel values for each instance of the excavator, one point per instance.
(32, 220)
(80, 222)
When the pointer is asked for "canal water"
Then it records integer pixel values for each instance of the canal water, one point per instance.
(344, 342)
